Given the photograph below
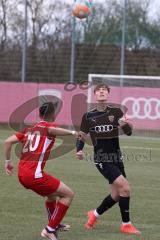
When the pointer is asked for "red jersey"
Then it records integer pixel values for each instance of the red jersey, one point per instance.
(36, 148)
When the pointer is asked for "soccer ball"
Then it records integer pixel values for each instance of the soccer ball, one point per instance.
(82, 9)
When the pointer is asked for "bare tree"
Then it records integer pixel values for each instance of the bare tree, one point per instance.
(3, 22)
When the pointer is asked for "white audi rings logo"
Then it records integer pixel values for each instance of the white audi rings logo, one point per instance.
(104, 128)
(143, 108)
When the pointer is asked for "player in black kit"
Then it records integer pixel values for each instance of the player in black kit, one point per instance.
(104, 124)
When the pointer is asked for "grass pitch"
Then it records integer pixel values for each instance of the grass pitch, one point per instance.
(23, 215)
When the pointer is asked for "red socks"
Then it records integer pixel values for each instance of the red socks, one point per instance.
(50, 206)
(58, 214)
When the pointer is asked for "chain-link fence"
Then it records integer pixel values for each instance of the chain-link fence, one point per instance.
(40, 39)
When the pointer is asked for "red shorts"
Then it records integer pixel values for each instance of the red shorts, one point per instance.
(43, 186)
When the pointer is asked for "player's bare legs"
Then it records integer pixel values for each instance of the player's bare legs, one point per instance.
(66, 196)
(114, 193)
(122, 187)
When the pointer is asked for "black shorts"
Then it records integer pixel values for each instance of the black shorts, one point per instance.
(111, 171)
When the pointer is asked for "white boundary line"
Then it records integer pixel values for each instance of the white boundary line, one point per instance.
(140, 148)
(139, 138)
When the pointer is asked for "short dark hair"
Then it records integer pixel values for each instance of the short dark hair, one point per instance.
(100, 85)
(46, 109)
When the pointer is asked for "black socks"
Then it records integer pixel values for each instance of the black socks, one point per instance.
(107, 203)
(124, 207)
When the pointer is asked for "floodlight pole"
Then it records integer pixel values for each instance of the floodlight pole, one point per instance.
(24, 49)
(123, 43)
(72, 68)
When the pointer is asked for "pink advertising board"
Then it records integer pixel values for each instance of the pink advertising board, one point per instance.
(143, 103)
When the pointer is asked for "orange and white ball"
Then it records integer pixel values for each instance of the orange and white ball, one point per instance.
(81, 10)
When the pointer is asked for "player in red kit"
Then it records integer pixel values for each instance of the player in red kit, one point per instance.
(37, 142)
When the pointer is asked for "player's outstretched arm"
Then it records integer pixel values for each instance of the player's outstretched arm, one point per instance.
(126, 127)
(55, 131)
(80, 145)
(7, 152)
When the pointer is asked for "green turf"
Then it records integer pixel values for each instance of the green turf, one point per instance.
(22, 213)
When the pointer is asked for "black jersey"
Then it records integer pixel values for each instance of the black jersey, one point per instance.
(104, 132)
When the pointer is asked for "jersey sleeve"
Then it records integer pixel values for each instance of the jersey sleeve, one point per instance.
(120, 113)
(84, 124)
